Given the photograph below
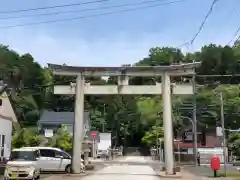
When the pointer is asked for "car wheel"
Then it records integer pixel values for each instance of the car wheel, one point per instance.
(68, 169)
(38, 177)
(34, 177)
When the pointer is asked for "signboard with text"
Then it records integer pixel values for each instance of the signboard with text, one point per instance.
(188, 137)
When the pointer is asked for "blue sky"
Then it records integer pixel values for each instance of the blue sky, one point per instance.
(112, 40)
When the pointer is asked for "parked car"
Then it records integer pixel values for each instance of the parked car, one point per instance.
(54, 159)
(102, 153)
(23, 164)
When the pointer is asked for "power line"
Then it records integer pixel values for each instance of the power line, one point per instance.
(204, 21)
(235, 34)
(89, 16)
(236, 41)
(183, 44)
(81, 10)
(201, 26)
(52, 7)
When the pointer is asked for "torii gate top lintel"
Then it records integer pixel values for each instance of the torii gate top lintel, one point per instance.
(173, 70)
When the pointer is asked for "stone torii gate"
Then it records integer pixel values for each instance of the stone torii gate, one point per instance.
(123, 74)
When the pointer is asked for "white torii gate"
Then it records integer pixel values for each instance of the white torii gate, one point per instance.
(123, 73)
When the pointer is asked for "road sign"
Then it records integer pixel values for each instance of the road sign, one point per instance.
(219, 132)
(94, 134)
(48, 133)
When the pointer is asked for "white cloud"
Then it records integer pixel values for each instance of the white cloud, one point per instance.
(106, 51)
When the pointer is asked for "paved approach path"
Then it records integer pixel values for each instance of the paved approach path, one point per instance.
(124, 171)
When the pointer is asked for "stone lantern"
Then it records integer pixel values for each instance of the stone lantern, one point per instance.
(86, 149)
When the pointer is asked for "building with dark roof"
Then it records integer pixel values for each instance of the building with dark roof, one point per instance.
(51, 120)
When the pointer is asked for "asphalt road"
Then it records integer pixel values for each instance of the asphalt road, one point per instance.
(42, 176)
(129, 168)
(98, 166)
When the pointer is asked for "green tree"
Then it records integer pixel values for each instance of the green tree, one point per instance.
(234, 141)
(151, 137)
(26, 137)
(128, 117)
(62, 139)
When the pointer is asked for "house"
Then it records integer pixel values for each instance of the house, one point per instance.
(207, 143)
(8, 120)
(206, 138)
(50, 121)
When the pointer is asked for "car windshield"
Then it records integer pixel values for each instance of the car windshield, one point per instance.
(22, 155)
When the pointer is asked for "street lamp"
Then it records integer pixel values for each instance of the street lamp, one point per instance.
(194, 133)
(194, 112)
(223, 133)
(104, 118)
(214, 85)
(194, 118)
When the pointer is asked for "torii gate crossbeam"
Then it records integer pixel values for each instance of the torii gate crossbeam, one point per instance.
(123, 74)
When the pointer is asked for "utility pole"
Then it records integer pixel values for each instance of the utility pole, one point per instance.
(104, 118)
(223, 132)
(194, 119)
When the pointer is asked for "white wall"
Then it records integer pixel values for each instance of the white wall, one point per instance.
(5, 129)
(6, 108)
(6, 125)
(105, 141)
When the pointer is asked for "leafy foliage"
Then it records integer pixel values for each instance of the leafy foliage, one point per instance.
(151, 137)
(128, 118)
(62, 139)
(25, 137)
(234, 140)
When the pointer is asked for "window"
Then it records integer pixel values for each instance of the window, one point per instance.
(23, 155)
(63, 154)
(2, 145)
(58, 154)
(47, 153)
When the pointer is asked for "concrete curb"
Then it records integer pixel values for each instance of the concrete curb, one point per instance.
(164, 175)
(170, 176)
(63, 176)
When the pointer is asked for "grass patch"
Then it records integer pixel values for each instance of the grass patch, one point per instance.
(235, 175)
(230, 174)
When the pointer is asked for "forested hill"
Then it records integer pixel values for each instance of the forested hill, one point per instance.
(129, 117)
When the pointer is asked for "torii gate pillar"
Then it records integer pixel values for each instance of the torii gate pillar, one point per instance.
(78, 124)
(167, 123)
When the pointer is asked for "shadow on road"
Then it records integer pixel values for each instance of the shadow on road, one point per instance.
(2, 169)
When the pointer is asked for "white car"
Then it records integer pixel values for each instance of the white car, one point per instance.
(22, 164)
(102, 153)
(54, 159)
